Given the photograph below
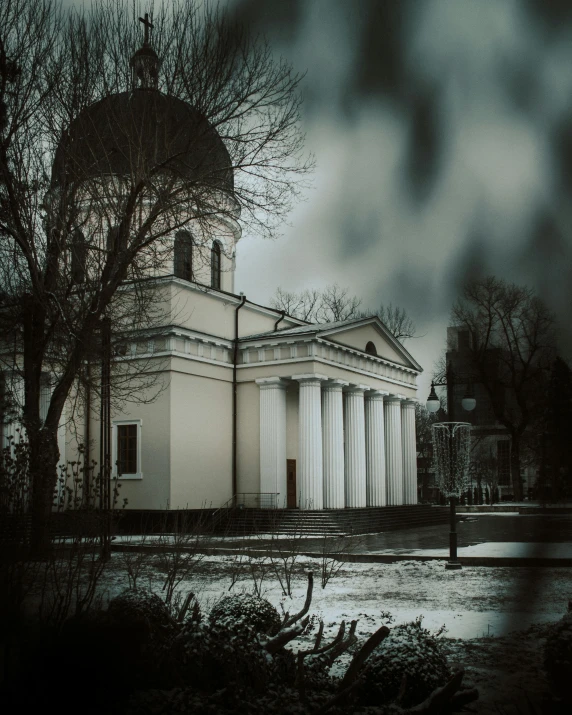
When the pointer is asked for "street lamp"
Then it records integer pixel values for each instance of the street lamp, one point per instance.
(468, 402)
(433, 404)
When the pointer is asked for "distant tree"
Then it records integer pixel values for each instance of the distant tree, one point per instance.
(300, 305)
(485, 468)
(424, 438)
(333, 304)
(326, 306)
(511, 350)
(398, 322)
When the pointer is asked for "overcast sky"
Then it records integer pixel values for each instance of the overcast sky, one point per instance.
(442, 131)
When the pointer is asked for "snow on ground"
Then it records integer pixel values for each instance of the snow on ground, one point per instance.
(472, 602)
(488, 611)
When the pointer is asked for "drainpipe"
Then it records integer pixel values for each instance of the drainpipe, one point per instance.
(87, 438)
(280, 319)
(234, 400)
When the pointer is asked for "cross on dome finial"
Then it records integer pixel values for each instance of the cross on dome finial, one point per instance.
(148, 25)
(145, 63)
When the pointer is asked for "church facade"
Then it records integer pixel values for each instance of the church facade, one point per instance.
(252, 406)
(260, 405)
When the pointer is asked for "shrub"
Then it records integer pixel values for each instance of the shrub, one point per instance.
(236, 612)
(143, 609)
(558, 657)
(209, 657)
(409, 651)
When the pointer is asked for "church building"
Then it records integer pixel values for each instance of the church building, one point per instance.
(255, 406)
(259, 405)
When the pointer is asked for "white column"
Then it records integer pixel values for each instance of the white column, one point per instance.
(409, 449)
(393, 450)
(355, 447)
(310, 467)
(273, 436)
(333, 444)
(376, 488)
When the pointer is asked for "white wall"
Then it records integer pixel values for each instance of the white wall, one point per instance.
(200, 441)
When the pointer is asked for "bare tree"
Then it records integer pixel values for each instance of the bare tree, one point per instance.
(511, 349)
(337, 304)
(485, 467)
(424, 444)
(93, 190)
(398, 322)
(300, 305)
(333, 304)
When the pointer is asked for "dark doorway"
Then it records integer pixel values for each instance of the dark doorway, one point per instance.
(291, 483)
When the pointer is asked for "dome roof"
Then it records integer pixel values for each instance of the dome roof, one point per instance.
(140, 132)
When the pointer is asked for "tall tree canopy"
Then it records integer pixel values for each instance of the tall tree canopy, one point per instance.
(511, 349)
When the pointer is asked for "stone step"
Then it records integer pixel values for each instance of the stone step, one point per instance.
(331, 521)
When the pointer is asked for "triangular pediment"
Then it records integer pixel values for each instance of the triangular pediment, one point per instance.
(359, 333)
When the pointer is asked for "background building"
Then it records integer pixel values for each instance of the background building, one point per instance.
(491, 444)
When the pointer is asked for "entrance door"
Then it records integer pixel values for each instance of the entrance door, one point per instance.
(291, 483)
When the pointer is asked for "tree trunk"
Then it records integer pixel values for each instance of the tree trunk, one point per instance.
(43, 465)
(515, 467)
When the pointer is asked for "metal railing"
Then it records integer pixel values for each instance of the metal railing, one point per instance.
(245, 500)
(256, 500)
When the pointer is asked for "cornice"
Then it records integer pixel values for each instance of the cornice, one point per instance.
(276, 341)
(339, 356)
(191, 345)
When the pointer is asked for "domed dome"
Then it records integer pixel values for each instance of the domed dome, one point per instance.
(141, 132)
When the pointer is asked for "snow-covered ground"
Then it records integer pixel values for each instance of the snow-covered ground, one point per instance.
(471, 602)
(488, 611)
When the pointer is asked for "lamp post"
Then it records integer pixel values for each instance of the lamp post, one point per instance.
(433, 404)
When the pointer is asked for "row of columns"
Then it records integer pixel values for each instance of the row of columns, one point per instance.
(375, 466)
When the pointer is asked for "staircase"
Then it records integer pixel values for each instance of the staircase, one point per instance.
(330, 522)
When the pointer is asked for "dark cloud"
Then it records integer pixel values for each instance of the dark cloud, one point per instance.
(380, 68)
(472, 262)
(555, 13)
(546, 265)
(425, 144)
(442, 132)
(562, 148)
(278, 19)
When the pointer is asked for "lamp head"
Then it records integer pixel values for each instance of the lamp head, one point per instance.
(433, 403)
(469, 403)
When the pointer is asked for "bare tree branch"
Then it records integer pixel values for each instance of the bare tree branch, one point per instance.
(334, 304)
(512, 347)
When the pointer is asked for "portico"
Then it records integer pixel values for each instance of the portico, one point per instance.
(345, 417)
(356, 443)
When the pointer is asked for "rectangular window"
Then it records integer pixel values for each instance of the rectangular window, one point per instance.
(127, 449)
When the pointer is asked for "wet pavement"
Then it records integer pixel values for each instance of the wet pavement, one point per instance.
(479, 529)
(503, 538)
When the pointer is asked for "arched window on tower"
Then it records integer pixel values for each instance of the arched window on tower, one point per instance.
(78, 257)
(216, 264)
(370, 348)
(184, 255)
